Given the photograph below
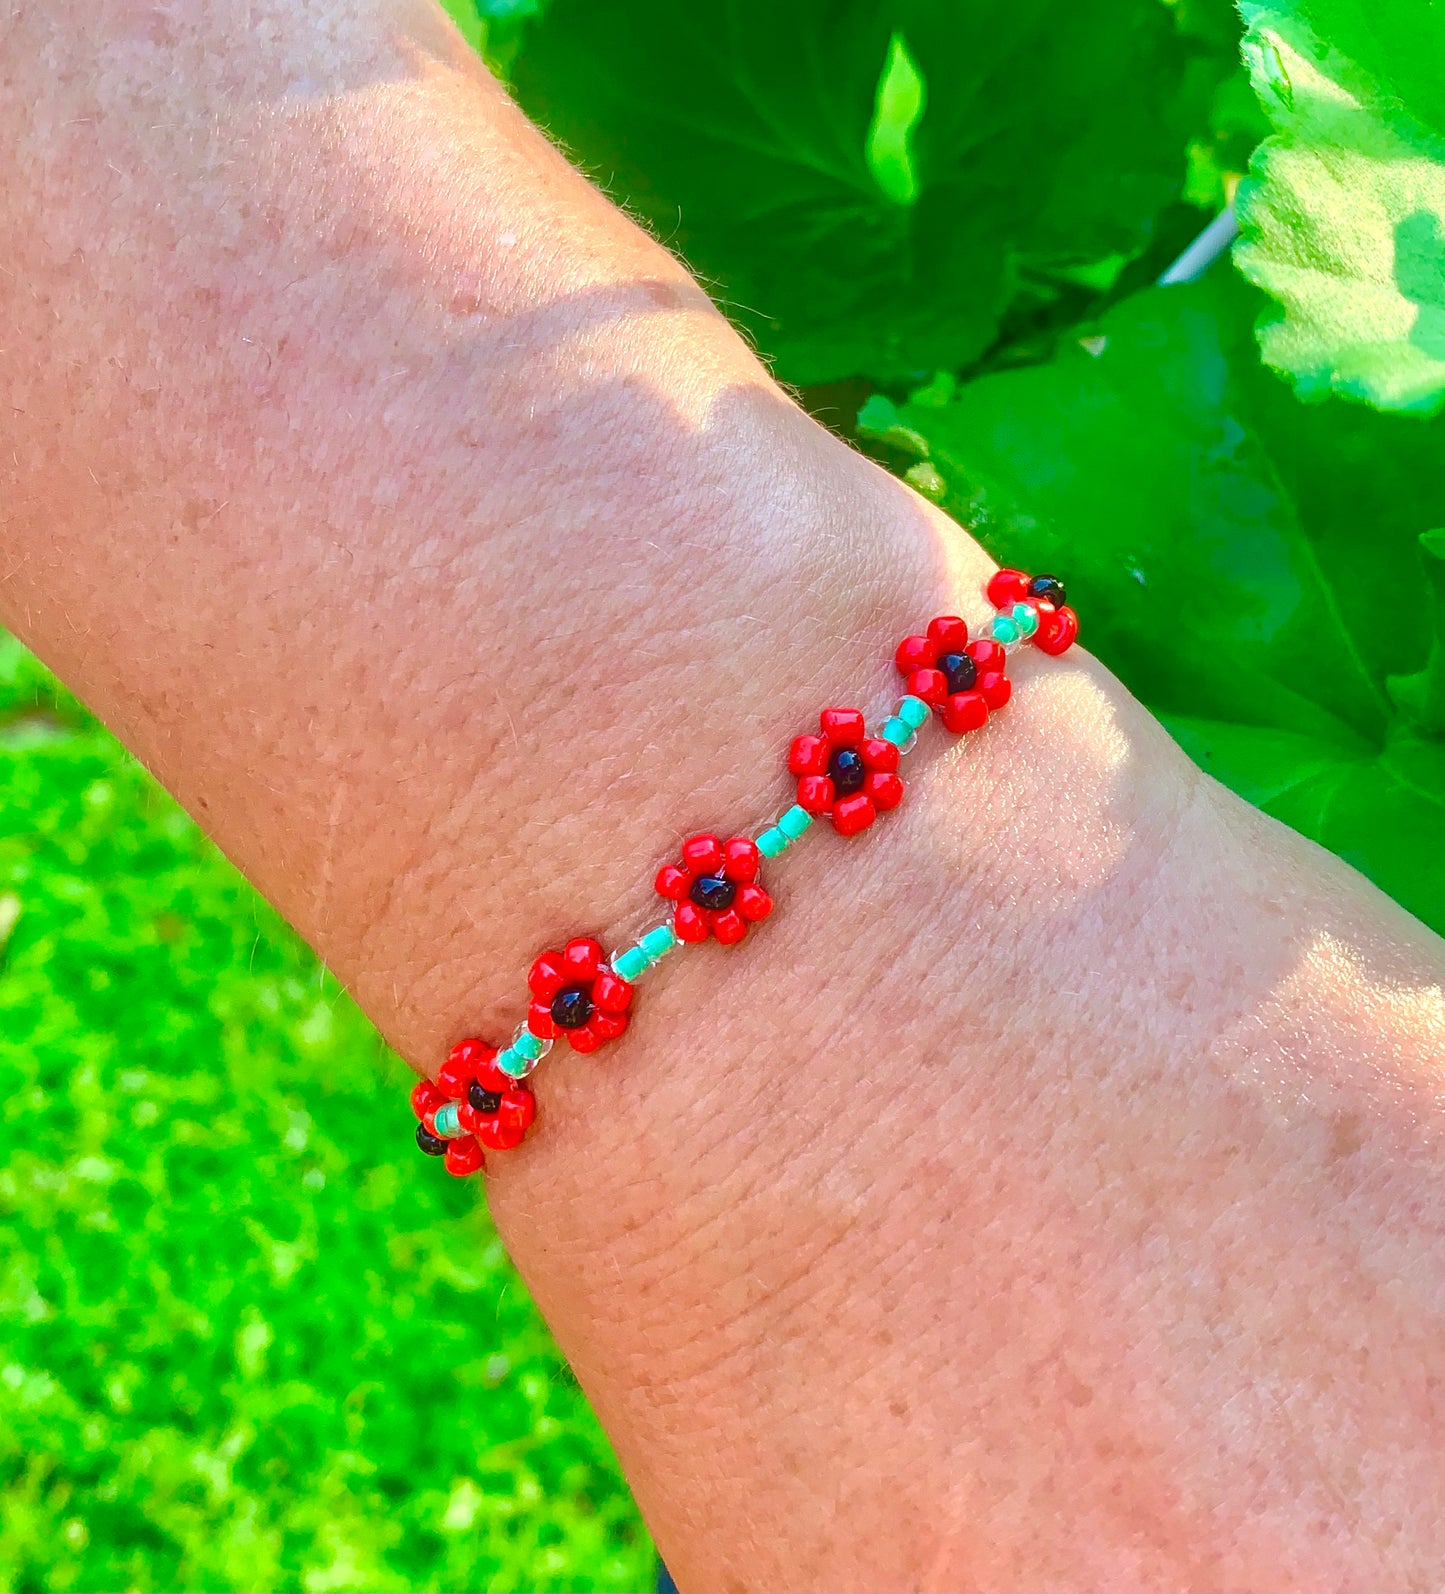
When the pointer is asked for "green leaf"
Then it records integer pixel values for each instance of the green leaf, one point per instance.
(863, 185)
(1250, 566)
(1421, 695)
(225, 1290)
(889, 145)
(494, 28)
(1343, 216)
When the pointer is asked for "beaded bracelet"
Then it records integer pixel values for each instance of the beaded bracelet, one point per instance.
(579, 994)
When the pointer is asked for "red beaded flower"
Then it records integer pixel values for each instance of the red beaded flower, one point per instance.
(574, 995)
(715, 889)
(847, 775)
(1058, 624)
(495, 1109)
(962, 679)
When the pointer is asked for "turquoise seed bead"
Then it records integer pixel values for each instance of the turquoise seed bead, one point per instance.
(448, 1127)
(896, 731)
(913, 711)
(1026, 618)
(527, 1045)
(512, 1063)
(629, 964)
(795, 822)
(772, 842)
(1003, 629)
(657, 943)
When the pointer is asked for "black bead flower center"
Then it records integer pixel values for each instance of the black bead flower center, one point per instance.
(846, 770)
(959, 670)
(483, 1100)
(1050, 589)
(571, 1007)
(713, 891)
(433, 1145)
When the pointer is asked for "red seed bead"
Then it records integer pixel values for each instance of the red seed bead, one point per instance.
(703, 854)
(509, 1135)
(605, 1026)
(519, 1107)
(808, 756)
(915, 653)
(455, 1075)
(987, 654)
(469, 1118)
(842, 726)
(964, 711)
(886, 790)
(741, 861)
(464, 1156)
(930, 685)
(610, 994)
(540, 1021)
(496, 1135)
(425, 1098)
(754, 903)
(853, 813)
(994, 687)
(815, 794)
(672, 882)
(689, 923)
(1057, 630)
(472, 1053)
(490, 1077)
(729, 926)
(581, 959)
(585, 1039)
(948, 633)
(546, 977)
(879, 754)
(1007, 587)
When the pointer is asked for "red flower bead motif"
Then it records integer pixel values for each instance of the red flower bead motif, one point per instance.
(844, 773)
(715, 888)
(1058, 624)
(918, 658)
(574, 995)
(963, 680)
(495, 1109)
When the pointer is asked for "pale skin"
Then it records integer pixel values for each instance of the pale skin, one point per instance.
(1050, 1194)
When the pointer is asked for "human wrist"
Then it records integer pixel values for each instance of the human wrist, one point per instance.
(810, 592)
(755, 569)
(626, 671)
(775, 1104)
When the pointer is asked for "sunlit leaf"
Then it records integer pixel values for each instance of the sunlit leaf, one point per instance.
(1343, 216)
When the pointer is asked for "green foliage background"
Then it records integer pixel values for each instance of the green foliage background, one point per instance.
(249, 1342)
(226, 1281)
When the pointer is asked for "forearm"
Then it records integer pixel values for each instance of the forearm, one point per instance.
(1048, 1194)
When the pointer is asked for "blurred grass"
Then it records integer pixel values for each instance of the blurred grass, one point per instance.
(248, 1338)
